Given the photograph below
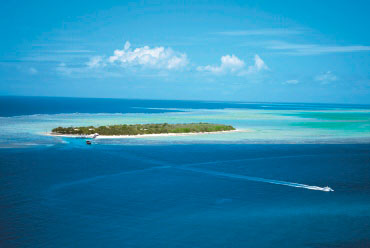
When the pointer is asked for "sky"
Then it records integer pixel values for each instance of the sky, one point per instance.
(253, 51)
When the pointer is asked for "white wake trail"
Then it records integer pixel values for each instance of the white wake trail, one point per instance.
(256, 179)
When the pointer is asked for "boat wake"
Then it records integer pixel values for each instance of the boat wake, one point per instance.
(188, 167)
(256, 179)
(96, 178)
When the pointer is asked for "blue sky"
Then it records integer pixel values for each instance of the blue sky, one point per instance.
(274, 51)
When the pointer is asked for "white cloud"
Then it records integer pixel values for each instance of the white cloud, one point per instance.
(64, 69)
(292, 81)
(154, 58)
(160, 59)
(267, 31)
(72, 51)
(311, 49)
(230, 64)
(259, 65)
(85, 71)
(127, 45)
(95, 62)
(53, 56)
(32, 71)
(326, 77)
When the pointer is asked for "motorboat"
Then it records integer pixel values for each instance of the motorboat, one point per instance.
(327, 189)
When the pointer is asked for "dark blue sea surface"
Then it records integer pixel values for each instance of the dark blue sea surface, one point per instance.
(20, 105)
(143, 194)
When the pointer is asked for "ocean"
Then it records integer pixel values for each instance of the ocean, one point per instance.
(262, 187)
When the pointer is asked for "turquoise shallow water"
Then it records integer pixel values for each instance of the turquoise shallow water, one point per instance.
(214, 190)
(258, 126)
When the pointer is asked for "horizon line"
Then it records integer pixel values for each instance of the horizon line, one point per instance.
(199, 100)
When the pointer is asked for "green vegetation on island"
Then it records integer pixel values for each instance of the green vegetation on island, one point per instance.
(139, 129)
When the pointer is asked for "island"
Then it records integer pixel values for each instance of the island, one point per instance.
(143, 129)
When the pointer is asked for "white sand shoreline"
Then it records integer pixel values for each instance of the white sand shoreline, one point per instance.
(143, 135)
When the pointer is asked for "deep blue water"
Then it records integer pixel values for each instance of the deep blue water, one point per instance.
(73, 195)
(19, 105)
